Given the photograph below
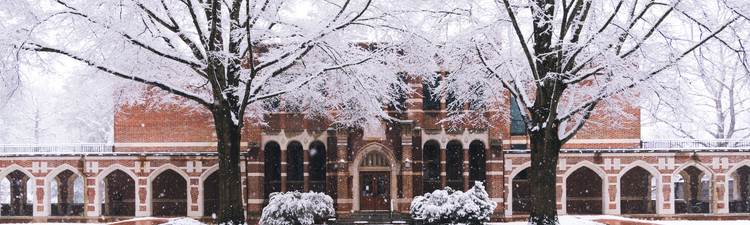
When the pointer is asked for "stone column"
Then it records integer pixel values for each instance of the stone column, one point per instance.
(664, 201)
(90, 203)
(721, 197)
(611, 196)
(194, 194)
(143, 205)
(38, 207)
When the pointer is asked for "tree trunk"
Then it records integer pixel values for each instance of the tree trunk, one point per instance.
(230, 191)
(545, 149)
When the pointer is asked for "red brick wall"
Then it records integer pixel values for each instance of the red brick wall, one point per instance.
(169, 123)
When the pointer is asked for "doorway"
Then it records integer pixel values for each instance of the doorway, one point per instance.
(375, 191)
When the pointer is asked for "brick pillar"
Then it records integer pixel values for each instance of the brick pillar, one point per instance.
(194, 195)
(89, 197)
(283, 166)
(332, 156)
(496, 176)
(406, 177)
(443, 171)
(417, 162)
(466, 169)
(344, 198)
(305, 167)
(255, 185)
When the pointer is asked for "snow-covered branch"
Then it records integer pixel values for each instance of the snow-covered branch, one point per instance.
(163, 86)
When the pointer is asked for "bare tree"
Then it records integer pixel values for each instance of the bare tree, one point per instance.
(563, 61)
(30, 115)
(227, 57)
(706, 96)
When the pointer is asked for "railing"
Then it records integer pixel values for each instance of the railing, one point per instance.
(697, 144)
(55, 148)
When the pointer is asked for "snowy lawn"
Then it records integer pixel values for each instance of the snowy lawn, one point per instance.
(588, 220)
(137, 221)
(564, 220)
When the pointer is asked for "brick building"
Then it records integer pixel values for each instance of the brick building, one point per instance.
(163, 163)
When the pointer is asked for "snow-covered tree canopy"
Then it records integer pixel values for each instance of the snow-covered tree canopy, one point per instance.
(230, 56)
(562, 60)
(239, 51)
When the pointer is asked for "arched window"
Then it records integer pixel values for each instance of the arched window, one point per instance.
(17, 194)
(118, 194)
(169, 194)
(211, 194)
(477, 162)
(317, 167)
(431, 174)
(454, 158)
(66, 194)
(521, 193)
(272, 168)
(294, 167)
(635, 193)
(739, 190)
(692, 192)
(584, 192)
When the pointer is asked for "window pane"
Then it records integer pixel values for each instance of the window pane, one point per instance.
(430, 102)
(294, 162)
(400, 104)
(477, 101)
(517, 126)
(451, 102)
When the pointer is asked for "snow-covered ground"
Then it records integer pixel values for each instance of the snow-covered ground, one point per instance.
(564, 220)
(588, 220)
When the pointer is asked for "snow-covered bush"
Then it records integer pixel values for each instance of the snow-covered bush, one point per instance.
(294, 208)
(449, 206)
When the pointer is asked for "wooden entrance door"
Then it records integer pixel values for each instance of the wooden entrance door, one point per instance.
(375, 191)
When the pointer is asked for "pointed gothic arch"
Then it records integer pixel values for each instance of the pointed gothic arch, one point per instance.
(20, 191)
(168, 194)
(519, 193)
(694, 193)
(208, 200)
(67, 204)
(101, 193)
(582, 195)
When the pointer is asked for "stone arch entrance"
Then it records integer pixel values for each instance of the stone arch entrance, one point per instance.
(374, 171)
